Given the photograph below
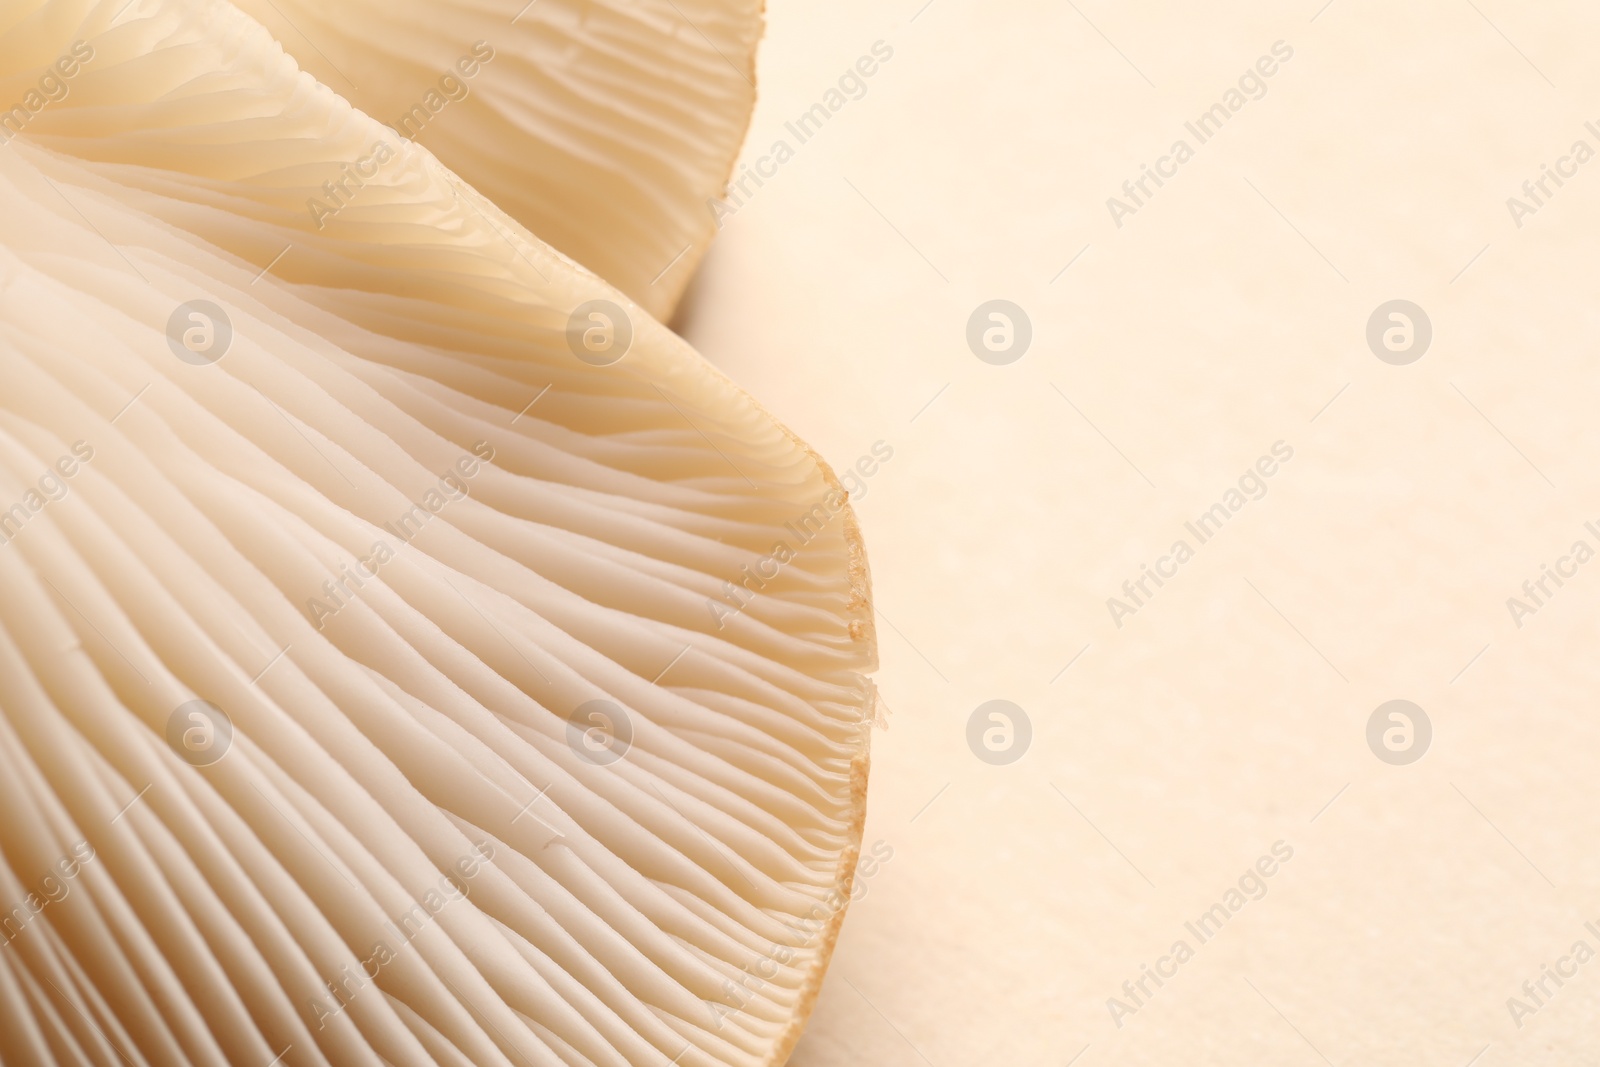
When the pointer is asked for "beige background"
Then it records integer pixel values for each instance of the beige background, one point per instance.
(1222, 317)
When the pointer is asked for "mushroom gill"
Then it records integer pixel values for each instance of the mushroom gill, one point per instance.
(410, 651)
(604, 126)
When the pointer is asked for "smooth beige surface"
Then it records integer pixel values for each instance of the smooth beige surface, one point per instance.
(1225, 716)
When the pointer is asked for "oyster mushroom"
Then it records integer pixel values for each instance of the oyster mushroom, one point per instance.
(410, 650)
